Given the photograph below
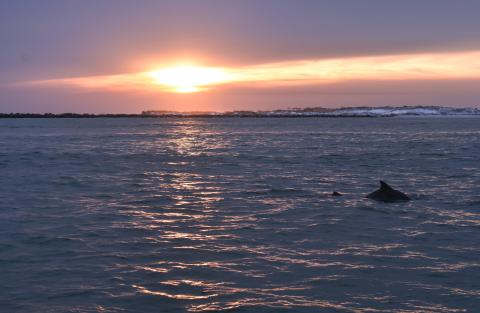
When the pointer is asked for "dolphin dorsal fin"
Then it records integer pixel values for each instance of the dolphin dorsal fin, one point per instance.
(384, 185)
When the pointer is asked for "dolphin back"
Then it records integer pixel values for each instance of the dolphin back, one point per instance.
(387, 194)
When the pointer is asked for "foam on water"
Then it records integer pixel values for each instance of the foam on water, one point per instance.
(174, 215)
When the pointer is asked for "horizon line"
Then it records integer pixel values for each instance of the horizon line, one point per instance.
(316, 109)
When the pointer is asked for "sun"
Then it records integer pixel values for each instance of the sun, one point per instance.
(187, 79)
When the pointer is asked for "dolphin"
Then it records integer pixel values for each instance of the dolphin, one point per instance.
(387, 194)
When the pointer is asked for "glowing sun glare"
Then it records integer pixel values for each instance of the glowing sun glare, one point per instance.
(187, 79)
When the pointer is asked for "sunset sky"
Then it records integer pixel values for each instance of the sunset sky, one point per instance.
(128, 56)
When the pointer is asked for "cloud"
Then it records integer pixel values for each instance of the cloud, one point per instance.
(414, 67)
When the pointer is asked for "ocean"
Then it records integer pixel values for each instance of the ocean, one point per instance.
(236, 215)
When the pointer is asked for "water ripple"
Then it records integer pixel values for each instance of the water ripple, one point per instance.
(206, 215)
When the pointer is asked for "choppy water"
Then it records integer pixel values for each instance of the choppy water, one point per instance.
(174, 215)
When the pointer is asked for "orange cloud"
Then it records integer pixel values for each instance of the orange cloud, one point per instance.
(431, 66)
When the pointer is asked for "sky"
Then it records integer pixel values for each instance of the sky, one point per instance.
(119, 56)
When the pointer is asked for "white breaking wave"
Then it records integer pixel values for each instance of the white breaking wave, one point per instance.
(377, 111)
(400, 111)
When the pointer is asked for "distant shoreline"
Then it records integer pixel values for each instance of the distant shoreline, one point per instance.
(68, 115)
(290, 113)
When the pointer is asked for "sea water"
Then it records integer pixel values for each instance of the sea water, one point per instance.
(235, 214)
